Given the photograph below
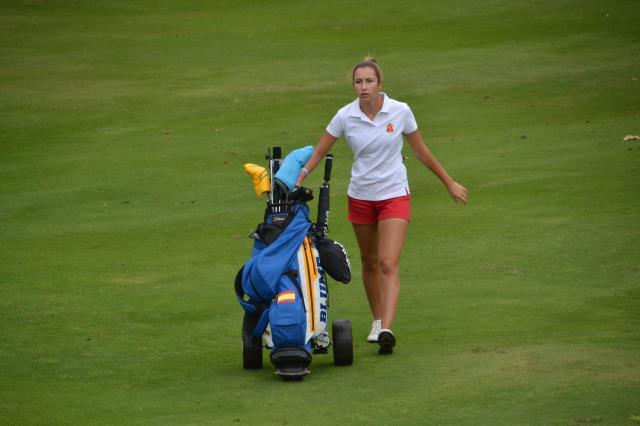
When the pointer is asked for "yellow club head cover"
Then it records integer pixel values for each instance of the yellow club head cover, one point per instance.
(260, 177)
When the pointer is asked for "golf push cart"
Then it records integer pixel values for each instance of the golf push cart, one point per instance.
(282, 287)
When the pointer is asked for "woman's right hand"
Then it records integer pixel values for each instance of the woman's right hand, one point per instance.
(300, 179)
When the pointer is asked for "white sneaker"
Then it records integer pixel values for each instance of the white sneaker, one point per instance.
(375, 330)
(387, 341)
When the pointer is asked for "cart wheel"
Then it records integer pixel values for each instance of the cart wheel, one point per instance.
(342, 342)
(251, 345)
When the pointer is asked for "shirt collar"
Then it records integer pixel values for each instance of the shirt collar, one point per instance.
(357, 112)
(385, 103)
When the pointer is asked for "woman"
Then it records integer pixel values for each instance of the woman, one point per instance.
(378, 194)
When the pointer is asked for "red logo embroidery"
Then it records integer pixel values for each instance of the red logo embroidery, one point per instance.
(390, 128)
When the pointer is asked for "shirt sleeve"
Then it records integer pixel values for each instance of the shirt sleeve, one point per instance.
(410, 124)
(336, 126)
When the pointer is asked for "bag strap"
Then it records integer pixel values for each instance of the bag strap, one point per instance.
(248, 307)
(261, 326)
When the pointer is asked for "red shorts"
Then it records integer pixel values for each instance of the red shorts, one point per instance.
(363, 212)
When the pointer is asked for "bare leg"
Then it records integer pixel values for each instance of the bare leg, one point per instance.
(391, 237)
(367, 236)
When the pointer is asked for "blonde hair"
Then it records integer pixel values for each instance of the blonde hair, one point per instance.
(368, 62)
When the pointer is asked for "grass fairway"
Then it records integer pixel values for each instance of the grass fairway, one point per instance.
(124, 209)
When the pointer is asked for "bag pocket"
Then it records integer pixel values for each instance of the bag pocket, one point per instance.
(287, 315)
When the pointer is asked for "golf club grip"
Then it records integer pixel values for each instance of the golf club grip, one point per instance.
(328, 162)
(277, 152)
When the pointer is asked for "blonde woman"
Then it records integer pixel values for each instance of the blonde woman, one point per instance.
(374, 127)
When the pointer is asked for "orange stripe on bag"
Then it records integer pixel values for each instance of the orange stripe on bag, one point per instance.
(286, 296)
(312, 276)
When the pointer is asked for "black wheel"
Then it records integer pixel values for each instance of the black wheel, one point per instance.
(342, 342)
(251, 346)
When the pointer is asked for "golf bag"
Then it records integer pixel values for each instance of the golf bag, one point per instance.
(282, 287)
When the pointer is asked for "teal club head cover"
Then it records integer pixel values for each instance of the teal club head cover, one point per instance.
(290, 169)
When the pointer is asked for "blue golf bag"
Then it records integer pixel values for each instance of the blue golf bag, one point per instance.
(283, 289)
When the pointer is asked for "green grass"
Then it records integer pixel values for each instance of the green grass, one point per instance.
(124, 209)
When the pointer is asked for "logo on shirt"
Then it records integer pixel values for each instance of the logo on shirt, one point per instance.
(390, 128)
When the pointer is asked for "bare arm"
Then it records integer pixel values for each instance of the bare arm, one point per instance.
(326, 142)
(457, 191)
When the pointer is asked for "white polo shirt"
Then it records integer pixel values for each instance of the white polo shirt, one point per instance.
(377, 172)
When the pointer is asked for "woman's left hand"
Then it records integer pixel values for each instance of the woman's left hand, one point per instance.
(458, 192)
